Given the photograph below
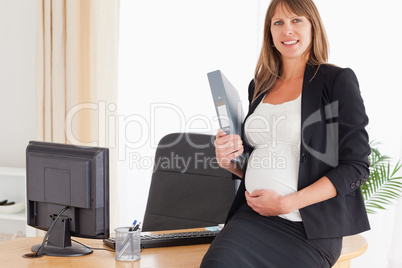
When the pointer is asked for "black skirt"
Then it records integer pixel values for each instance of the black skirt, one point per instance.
(251, 240)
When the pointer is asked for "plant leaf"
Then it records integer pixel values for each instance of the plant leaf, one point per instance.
(382, 187)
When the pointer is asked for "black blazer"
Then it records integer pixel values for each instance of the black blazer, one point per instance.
(334, 143)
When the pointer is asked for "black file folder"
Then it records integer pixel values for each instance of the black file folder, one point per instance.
(227, 103)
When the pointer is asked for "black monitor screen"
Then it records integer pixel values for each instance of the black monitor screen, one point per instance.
(72, 181)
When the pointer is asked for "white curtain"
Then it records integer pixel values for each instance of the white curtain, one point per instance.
(76, 75)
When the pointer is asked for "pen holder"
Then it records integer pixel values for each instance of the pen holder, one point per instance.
(127, 244)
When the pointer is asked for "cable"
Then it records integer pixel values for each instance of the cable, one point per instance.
(91, 247)
(42, 246)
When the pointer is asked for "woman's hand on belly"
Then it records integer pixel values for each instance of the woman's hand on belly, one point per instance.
(271, 203)
(267, 202)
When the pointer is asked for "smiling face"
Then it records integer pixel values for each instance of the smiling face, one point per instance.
(291, 34)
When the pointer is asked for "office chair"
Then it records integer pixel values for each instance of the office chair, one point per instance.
(188, 188)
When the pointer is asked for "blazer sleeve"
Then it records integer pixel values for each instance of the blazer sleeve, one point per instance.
(353, 142)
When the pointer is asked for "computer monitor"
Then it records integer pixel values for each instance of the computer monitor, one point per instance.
(67, 195)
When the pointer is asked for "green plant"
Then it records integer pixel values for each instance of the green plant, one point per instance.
(383, 187)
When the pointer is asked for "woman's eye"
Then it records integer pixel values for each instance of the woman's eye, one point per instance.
(278, 23)
(297, 20)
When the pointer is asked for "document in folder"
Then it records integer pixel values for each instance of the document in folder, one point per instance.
(227, 103)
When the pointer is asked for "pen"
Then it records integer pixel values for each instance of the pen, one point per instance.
(133, 226)
(131, 240)
(137, 226)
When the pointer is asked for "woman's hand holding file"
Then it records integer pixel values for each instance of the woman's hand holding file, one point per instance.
(228, 147)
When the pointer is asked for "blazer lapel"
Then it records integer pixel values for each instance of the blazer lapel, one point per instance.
(255, 104)
(311, 101)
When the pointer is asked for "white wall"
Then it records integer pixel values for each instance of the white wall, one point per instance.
(167, 47)
(17, 80)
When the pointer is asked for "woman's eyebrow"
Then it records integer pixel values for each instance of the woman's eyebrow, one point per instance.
(292, 17)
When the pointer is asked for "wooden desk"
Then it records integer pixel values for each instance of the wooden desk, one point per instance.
(11, 252)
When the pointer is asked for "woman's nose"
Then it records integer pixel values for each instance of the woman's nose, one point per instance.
(288, 30)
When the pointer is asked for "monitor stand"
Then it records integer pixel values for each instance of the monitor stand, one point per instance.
(59, 242)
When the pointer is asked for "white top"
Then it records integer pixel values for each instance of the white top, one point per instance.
(274, 132)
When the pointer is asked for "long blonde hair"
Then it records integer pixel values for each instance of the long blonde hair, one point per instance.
(269, 66)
